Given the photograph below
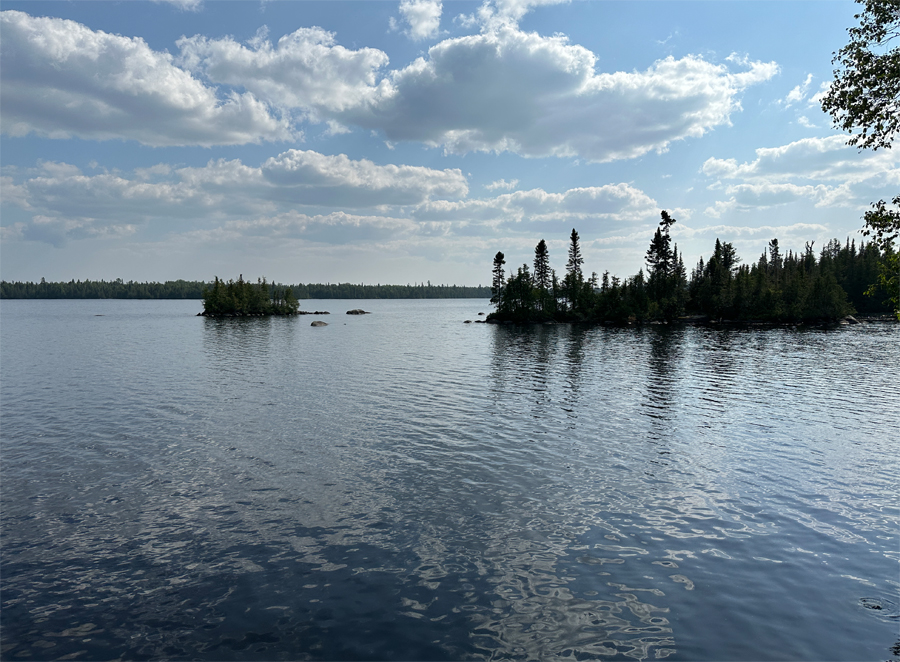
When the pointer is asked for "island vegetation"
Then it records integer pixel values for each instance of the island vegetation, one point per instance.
(240, 298)
(777, 288)
(188, 289)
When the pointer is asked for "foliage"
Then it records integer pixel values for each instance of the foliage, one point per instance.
(883, 225)
(777, 288)
(864, 96)
(238, 298)
(864, 100)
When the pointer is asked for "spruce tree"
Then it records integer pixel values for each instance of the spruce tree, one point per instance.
(498, 277)
(542, 266)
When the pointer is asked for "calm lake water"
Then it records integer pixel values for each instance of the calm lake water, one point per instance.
(402, 486)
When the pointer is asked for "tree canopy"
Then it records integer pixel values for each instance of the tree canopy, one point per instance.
(864, 100)
(776, 288)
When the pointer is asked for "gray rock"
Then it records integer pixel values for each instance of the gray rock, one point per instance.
(358, 311)
(319, 323)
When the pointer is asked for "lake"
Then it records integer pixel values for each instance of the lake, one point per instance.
(404, 486)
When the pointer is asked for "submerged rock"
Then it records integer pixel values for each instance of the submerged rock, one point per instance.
(358, 311)
(319, 323)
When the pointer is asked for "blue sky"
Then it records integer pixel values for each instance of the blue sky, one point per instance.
(406, 141)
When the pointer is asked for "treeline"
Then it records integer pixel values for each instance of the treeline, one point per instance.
(422, 291)
(237, 298)
(186, 289)
(102, 289)
(778, 287)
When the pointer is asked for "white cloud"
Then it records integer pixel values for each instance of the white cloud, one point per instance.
(808, 159)
(494, 14)
(423, 18)
(501, 90)
(337, 180)
(185, 5)
(507, 90)
(305, 69)
(816, 99)
(804, 122)
(223, 189)
(502, 184)
(799, 92)
(597, 204)
(334, 228)
(325, 198)
(62, 79)
(824, 171)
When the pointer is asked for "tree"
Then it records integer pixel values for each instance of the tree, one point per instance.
(883, 225)
(573, 266)
(865, 95)
(498, 277)
(574, 279)
(542, 266)
(864, 100)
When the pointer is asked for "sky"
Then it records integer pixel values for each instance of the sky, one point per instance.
(408, 141)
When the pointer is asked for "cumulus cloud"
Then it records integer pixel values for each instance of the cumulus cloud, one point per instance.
(423, 18)
(810, 158)
(301, 192)
(75, 205)
(62, 79)
(337, 180)
(822, 170)
(502, 184)
(498, 13)
(508, 90)
(536, 207)
(500, 90)
(305, 69)
(334, 228)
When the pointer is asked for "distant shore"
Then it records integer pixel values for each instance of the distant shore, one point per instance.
(190, 289)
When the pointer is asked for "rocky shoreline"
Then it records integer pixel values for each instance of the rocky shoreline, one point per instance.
(290, 314)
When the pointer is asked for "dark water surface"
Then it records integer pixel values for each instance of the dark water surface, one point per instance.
(405, 486)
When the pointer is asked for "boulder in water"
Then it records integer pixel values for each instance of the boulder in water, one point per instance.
(319, 323)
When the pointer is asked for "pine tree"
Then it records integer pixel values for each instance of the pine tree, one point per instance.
(498, 277)
(573, 266)
(542, 266)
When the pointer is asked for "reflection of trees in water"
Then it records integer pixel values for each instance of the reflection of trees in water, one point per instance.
(665, 348)
(515, 563)
(234, 340)
(719, 363)
(533, 359)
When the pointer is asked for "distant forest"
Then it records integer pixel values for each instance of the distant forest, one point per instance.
(193, 289)
(793, 287)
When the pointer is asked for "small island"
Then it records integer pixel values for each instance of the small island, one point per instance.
(242, 299)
